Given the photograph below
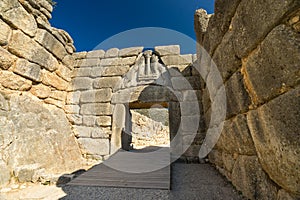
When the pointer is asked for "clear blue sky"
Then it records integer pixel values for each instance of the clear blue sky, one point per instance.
(92, 22)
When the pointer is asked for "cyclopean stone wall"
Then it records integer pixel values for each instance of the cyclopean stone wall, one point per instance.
(57, 105)
(105, 85)
(36, 140)
(255, 45)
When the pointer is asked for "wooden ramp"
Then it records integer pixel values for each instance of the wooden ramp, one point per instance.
(147, 168)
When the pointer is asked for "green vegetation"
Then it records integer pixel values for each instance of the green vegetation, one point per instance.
(53, 3)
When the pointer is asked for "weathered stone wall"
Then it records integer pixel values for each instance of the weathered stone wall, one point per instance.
(255, 45)
(36, 140)
(89, 103)
(102, 80)
(56, 106)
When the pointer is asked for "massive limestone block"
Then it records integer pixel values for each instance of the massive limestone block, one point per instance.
(168, 50)
(5, 33)
(219, 23)
(236, 137)
(58, 95)
(177, 59)
(248, 177)
(82, 72)
(58, 103)
(154, 93)
(107, 82)
(70, 62)
(101, 133)
(73, 98)
(104, 121)
(284, 195)
(54, 80)
(238, 100)
(133, 51)
(6, 59)
(24, 47)
(118, 61)
(275, 130)
(254, 19)
(40, 91)
(96, 54)
(4, 173)
(274, 68)
(96, 109)
(75, 119)
(36, 139)
(93, 96)
(72, 109)
(228, 162)
(95, 146)
(64, 72)
(89, 120)
(111, 71)
(12, 11)
(48, 41)
(81, 83)
(112, 53)
(225, 58)
(13, 81)
(88, 62)
(6, 138)
(28, 70)
(82, 131)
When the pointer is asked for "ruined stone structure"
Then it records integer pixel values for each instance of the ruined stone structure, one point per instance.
(255, 45)
(36, 139)
(106, 85)
(59, 108)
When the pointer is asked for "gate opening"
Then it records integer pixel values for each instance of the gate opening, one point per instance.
(149, 127)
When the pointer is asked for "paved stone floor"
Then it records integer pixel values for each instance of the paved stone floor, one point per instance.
(189, 181)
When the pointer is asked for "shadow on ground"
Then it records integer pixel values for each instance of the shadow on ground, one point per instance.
(188, 181)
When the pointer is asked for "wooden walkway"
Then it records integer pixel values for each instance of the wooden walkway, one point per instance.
(134, 169)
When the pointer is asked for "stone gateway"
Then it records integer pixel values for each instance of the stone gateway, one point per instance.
(60, 109)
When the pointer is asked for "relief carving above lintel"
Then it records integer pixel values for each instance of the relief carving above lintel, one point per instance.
(148, 67)
(147, 70)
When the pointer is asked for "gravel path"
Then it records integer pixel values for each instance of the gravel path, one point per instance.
(189, 181)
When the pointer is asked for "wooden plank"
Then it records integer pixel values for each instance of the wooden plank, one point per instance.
(122, 181)
(133, 174)
(105, 176)
(121, 185)
(126, 179)
(124, 176)
(108, 171)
